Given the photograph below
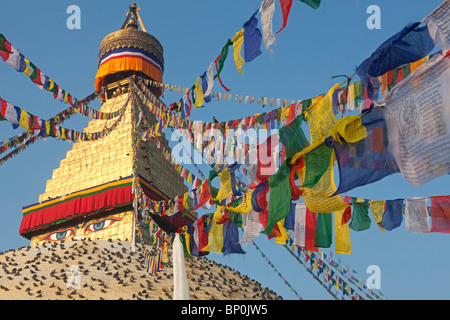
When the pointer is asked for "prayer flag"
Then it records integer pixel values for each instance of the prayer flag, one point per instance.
(393, 214)
(285, 8)
(360, 215)
(418, 122)
(377, 208)
(417, 217)
(439, 26)
(342, 233)
(267, 9)
(293, 138)
(324, 236)
(252, 40)
(315, 4)
(440, 214)
(231, 243)
(238, 41)
(367, 160)
(279, 197)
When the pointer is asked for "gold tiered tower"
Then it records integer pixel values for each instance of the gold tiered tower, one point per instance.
(90, 194)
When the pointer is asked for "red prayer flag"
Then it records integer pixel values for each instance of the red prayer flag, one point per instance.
(310, 230)
(205, 195)
(440, 214)
(285, 8)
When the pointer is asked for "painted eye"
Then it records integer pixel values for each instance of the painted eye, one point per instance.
(60, 235)
(100, 225)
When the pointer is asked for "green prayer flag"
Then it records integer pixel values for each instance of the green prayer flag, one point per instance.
(213, 191)
(279, 197)
(223, 57)
(323, 237)
(293, 138)
(315, 4)
(2, 44)
(316, 164)
(360, 216)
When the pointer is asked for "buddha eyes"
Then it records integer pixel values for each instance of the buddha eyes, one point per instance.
(92, 226)
(60, 235)
(100, 224)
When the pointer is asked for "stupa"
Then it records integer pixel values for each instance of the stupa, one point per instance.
(90, 195)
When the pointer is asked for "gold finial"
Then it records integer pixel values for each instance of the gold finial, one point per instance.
(133, 12)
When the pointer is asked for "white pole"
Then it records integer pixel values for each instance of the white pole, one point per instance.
(133, 240)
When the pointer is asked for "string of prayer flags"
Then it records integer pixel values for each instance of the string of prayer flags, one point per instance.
(19, 117)
(20, 148)
(276, 270)
(11, 55)
(302, 256)
(20, 63)
(409, 45)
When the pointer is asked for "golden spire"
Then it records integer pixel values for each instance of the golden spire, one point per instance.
(133, 12)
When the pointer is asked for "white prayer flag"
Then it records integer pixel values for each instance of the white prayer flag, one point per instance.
(300, 224)
(417, 217)
(267, 9)
(418, 122)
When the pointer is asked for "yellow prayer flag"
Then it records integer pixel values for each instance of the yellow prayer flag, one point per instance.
(185, 200)
(215, 238)
(341, 234)
(24, 119)
(225, 185)
(199, 99)
(318, 198)
(348, 128)
(321, 117)
(284, 236)
(238, 41)
(377, 208)
(245, 206)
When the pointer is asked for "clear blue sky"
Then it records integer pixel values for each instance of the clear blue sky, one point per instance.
(314, 46)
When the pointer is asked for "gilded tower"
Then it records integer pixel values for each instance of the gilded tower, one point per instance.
(90, 194)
